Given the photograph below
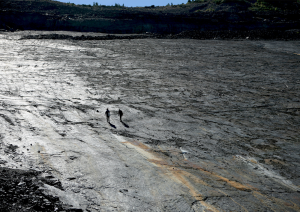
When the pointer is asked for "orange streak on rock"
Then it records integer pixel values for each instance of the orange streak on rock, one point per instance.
(270, 161)
(181, 176)
(288, 204)
(138, 144)
(160, 162)
(253, 161)
(234, 184)
(262, 198)
(281, 205)
(194, 178)
(234, 200)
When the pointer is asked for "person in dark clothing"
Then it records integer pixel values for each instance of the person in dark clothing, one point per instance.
(120, 114)
(107, 113)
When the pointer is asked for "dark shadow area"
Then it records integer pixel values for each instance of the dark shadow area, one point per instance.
(16, 182)
(182, 20)
(125, 125)
(114, 126)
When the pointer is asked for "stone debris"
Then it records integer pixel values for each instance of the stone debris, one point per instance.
(260, 34)
(20, 191)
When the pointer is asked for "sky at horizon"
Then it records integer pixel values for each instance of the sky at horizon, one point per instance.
(127, 3)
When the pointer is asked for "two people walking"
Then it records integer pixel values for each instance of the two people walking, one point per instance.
(107, 114)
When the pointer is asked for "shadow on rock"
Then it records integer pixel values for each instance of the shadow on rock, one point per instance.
(125, 125)
(114, 126)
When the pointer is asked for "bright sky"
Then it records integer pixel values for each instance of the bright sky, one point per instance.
(127, 3)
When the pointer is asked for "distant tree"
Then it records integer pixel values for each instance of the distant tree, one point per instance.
(199, 1)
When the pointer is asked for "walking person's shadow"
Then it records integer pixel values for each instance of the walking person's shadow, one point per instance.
(125, 125)
(114, 126)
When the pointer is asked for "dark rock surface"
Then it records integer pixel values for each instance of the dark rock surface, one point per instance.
(293, 34)
(23, 190)
(20, 192)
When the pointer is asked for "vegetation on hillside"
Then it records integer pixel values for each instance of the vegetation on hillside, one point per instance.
(192, 8)
(194, 14)
(254, 5)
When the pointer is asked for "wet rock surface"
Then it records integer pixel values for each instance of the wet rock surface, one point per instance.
(208, 125)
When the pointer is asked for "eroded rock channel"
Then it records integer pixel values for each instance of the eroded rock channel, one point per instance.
(209, 125)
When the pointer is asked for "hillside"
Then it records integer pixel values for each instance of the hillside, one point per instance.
(203, 15)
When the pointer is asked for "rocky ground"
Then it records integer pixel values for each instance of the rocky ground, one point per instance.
(293, 34)
(21, 190)
(209, 125)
